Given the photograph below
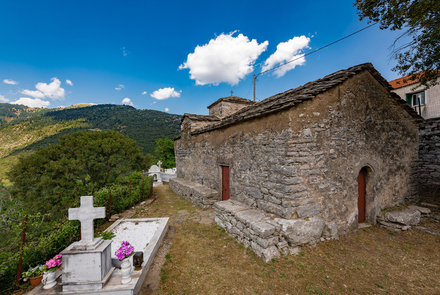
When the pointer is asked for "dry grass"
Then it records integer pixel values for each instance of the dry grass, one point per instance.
(203, 259)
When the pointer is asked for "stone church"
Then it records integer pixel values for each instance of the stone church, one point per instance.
(301, 166)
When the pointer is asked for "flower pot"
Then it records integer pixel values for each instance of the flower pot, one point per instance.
(126, 271)
(35, 281)
(49, 279)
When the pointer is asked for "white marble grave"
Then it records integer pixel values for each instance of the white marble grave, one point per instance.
(87, 263)
(168, 174)
(155, 170)
(87, 266)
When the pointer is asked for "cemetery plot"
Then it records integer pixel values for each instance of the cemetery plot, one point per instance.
(140, 233)
(145, 234)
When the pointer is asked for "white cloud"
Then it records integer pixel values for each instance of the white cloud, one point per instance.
(3, 99)
(52, 90)
(165, 93)
(30, 102)
(224, 59)
(120, 87)
(9, 81)
(145, 92)
(125, 52)
(167, 109)
(127, 101)
(33, 93)
(287, 51)
(69, 82)
(44, 90)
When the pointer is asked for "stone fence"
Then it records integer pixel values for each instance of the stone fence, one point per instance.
(429, 153)
(267, 235)
(195, 192)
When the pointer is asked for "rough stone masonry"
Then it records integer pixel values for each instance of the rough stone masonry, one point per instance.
(429, 154)
(294, 159)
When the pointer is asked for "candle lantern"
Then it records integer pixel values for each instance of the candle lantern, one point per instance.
(138, 259)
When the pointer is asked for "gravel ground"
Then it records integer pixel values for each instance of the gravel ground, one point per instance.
(138, 234)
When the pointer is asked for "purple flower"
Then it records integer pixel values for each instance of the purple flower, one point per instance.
(125, 251)
(51, 263)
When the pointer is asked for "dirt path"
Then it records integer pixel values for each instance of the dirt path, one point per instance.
(166, 204)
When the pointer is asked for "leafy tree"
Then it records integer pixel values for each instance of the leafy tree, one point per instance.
(10, 209)
(82, 162)
(164, 151)
(421, 21)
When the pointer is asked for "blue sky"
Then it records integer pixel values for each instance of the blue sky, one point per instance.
(175, 56)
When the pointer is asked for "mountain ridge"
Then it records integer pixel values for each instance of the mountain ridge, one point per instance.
(24, 129)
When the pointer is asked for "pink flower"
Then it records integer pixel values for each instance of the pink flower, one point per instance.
(51, 263)
(125, 251)
(54, 263)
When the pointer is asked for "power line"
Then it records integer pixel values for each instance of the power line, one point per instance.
(316, 50)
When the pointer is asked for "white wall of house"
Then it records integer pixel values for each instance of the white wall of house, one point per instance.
(431, 107)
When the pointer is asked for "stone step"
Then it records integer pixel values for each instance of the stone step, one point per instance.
(197, 193)
(268, 235)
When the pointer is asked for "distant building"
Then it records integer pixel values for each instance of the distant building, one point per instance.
(429, 98)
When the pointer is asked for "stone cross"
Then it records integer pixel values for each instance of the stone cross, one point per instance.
(159, 163)
(85, 214)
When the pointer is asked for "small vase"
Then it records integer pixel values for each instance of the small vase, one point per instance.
(49, 279)
(35, 281)
(126, 271)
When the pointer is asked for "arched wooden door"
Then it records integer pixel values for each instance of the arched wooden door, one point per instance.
(361, 194)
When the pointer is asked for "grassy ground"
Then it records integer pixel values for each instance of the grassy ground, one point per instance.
(198, 257)
(203, 259)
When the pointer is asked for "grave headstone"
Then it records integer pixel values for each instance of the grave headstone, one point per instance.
(87, 264)
(86, 213)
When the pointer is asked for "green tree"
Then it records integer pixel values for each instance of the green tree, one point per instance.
(420, 20)
(164, 151)
(81, 163)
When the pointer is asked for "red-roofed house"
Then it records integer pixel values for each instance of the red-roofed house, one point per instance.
(429, 98)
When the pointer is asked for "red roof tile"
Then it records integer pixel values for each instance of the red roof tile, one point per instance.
(404, 81)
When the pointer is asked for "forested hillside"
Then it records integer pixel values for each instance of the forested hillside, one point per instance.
(144, 126)
(14, 112)
(24, 129)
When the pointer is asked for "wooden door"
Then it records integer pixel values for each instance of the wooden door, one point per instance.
(225, 183)
(361, 193)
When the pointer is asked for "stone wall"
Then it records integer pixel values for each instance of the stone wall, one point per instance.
(268, 235)
(191, 124)
(198, 194)
(429, 154)
(225, 108)
(304, 161)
